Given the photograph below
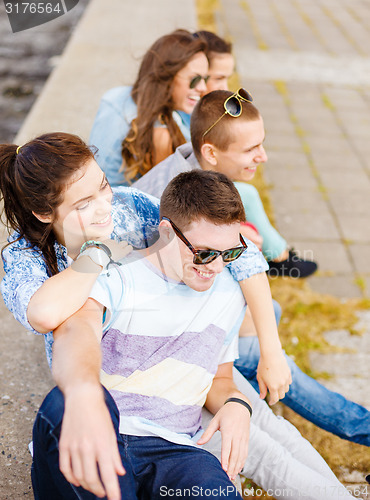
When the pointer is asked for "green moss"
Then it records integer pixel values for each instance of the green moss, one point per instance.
(282, 89)
(306, 148)
(327, 102)
(360, 282)
(206, 14)
(322, 375)
(300, 131)
(323, 190)
(261, 43)
(347, 241)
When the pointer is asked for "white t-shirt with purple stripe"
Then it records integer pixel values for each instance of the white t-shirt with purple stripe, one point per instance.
(162, 345)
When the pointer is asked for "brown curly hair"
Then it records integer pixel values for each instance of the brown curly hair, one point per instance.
(152, 94)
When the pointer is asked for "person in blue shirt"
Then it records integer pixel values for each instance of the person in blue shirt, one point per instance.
(137, 127)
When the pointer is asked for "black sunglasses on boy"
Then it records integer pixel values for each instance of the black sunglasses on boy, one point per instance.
(207, 256)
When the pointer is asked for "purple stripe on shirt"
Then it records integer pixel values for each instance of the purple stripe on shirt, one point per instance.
(125, 353)
(183, 419)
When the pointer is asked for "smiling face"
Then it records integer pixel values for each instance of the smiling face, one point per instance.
(241, 159)
(184, 98)
(85, 212)
(203, 235)
(221, 68)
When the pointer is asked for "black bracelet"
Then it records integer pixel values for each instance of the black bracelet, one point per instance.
(242, 402)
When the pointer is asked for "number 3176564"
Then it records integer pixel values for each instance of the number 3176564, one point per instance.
(32, 8)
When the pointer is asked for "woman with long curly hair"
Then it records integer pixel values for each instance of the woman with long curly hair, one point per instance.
(137, 127)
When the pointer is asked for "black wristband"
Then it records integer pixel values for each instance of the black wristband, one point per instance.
(242, 402)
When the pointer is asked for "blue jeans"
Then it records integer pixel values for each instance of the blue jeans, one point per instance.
(155, 468)
(307, 397)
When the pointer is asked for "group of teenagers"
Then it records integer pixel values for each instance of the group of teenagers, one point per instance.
(157, 315)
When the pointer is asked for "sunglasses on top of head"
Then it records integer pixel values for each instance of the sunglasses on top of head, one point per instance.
(207, 256)
(233, 106)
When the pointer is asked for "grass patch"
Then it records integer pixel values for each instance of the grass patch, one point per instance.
(205, 14)
(307, 315)
(337, 452)
(360, 282)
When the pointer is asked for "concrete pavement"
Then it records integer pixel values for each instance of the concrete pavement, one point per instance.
(307, 65)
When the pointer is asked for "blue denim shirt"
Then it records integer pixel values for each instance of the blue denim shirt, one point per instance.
(111, 125)
(136, 218)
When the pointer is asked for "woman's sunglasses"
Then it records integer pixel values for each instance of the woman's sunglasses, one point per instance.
(207, 256)
(233, 106)
(197, 79)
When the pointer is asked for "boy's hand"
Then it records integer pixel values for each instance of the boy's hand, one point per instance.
(273, 374)
(233, 420)
(88, 452)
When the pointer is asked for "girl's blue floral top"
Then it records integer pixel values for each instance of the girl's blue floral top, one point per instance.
(136, 218)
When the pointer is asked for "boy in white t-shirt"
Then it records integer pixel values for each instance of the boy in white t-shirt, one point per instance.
(171, 316)
(171, 319)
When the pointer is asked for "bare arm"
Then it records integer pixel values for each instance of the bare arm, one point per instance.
(65, 293)
(60, 296)
(88, 452)
(273, 373)
(232, 419)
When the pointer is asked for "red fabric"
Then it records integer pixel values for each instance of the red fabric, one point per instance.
(250, 225)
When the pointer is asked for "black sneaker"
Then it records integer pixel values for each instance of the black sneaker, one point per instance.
(292, 267)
